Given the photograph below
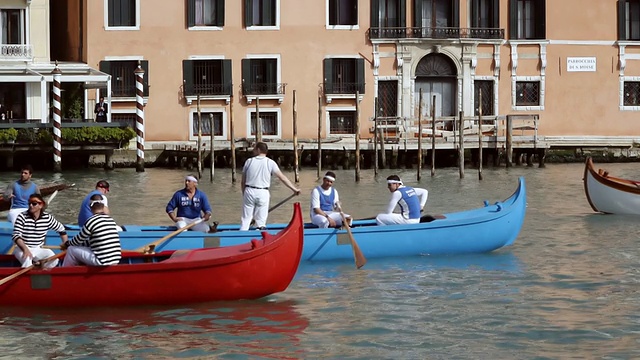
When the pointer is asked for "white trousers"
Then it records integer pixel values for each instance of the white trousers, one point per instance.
(38, 254)
(13, 214)
(323, 223)
(255, 205)
(393, 219)
(80, 255)
(203, 226)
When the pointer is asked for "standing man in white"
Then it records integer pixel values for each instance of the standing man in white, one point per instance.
(324, 199)
(256, 179)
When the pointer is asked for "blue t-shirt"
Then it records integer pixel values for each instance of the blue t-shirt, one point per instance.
(85, 211)
(21, 196)
(189, 208)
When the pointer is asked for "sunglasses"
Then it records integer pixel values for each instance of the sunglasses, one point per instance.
(35, 203)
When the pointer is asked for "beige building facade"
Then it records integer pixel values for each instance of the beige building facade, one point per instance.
(574, 65)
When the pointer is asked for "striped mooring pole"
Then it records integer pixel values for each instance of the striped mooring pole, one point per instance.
(139, 118)
(57, 122)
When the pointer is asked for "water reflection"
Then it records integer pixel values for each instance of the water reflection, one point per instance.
(266, 328)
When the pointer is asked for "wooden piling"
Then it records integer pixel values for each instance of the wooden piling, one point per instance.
(319, 135)
(480, 135)
(199, 155)
(357, 130)
(232, 143)
(213, 157)
(419, 175)
(433, 136)
(383, 154)
(296, 167)
(258, 121)
(375, 137)
(509, 142)
(461, 148)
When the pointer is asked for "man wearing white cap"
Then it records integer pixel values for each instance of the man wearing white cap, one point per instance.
(410, 200)
(191, 204)
(324, 199)
(256, 180)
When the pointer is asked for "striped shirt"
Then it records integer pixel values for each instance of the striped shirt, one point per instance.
(34, 231)
(100, 233)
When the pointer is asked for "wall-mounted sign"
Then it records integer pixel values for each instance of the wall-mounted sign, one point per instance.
(581, 63)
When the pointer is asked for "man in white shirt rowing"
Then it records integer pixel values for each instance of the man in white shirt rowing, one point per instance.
(324, 201)
(410, 200)
(256, 180)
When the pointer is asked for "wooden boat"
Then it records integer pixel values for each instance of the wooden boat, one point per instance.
(609, 194)
(47, 190)
(483, 229)
(248, 271)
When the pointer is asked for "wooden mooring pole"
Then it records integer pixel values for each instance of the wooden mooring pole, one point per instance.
(232, 143)
(296, 165)
(461, 148)
(509, 142)
(357, 130)
(319, 135)
(419, 175)
(199, 140)
(433, 137)
(375, 137)
(258, 121)
(213, 157)
(480, 135)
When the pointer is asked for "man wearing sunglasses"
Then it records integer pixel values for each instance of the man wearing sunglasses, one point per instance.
(19, 192)
(30, 230)
(410, 200)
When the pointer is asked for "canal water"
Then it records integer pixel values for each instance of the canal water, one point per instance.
(567, 288)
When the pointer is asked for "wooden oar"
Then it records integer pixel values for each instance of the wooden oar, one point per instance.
(149, 247)
(27, 269)
(358, 256)
(51, 197)
(253, 222)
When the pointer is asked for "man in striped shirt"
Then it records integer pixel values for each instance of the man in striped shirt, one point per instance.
(98, 243)
(30, 231)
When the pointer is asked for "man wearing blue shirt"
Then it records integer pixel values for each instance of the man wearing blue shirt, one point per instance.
(102, 188)
(191, 204)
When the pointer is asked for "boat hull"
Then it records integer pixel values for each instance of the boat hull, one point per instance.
(608, 194)
(478, 230)
(248, 271)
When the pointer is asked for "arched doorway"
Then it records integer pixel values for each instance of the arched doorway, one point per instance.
(436, 75)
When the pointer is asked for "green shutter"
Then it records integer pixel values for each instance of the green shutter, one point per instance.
(622, 20)
(268, 12)
(475, 11)
(541, 19)
(455, 13)
(220, 13)
(105, 67)
(402, 13)
(246, 75)
(375, 14)
(144, 64)
(496, 14)
(328, 76)
(187, 77)
(417, 13)
(248, 13)
(513, 19)
(360, 75)
(333, 12)
(227, 77)
(191, 13)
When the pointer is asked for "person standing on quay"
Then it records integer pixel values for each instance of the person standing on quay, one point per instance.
(324, 201)
(19, 191)
(101, 110)
(256, 179)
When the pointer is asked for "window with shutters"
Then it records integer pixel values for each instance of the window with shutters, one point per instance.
(629, 20)
(436, 19)
(208, 78)
(388, 19)
(122, 14)
(209, 117)
(262, 14)
(343, 76)
(270, 120)
(205, 14)
(342, 14)
(123, 78)
(261, 78)
(485, 20)
(527, 19)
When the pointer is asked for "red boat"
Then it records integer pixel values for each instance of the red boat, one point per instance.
(248, 271)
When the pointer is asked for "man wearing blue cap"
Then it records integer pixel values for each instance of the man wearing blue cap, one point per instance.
(191, 204)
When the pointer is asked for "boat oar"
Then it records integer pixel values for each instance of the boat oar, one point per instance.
(151, 246)
(357, 254)
(51, 197)
(27, 269)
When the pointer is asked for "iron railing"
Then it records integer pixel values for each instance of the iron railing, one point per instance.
(435, 33)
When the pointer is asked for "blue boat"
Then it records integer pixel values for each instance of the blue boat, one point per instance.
(484, 229)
